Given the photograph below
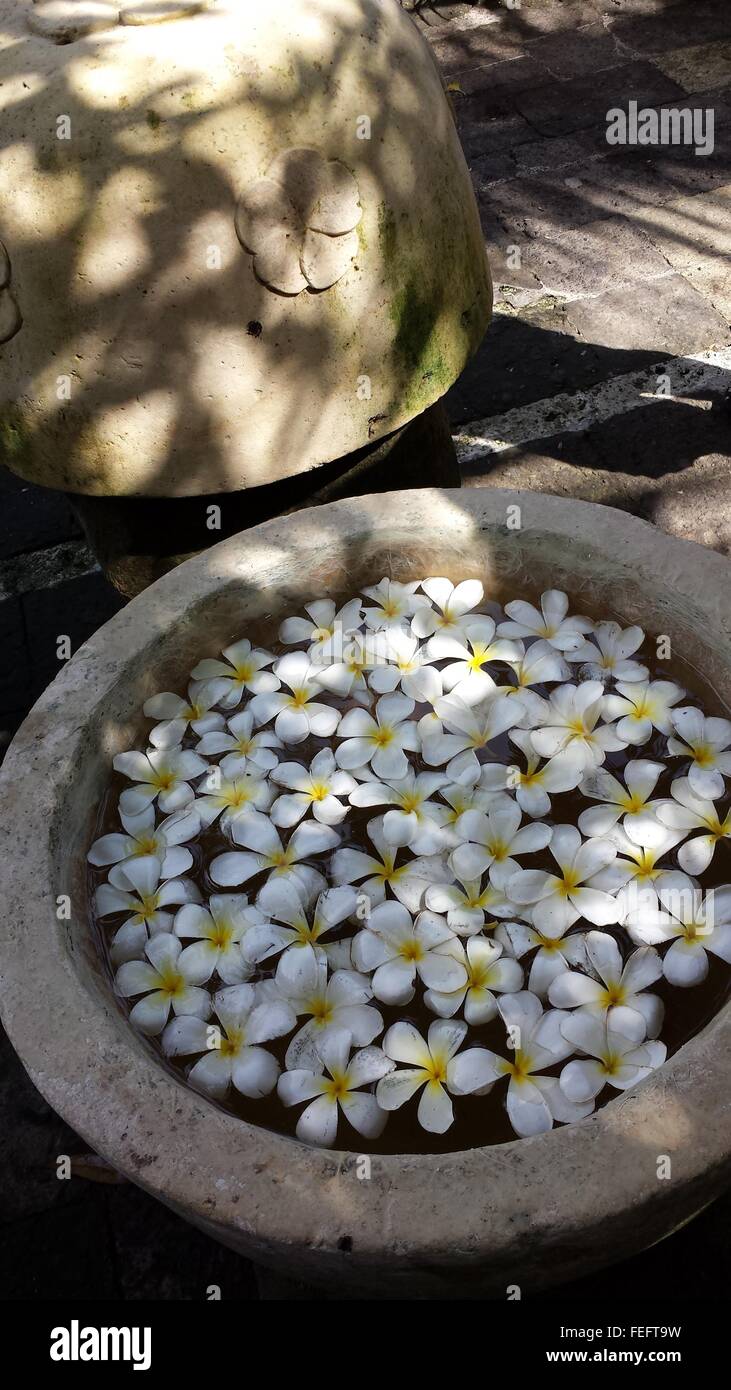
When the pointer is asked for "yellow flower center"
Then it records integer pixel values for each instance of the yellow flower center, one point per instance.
(411, 950)
(522, 1067)
(243, 672)
(298, 698)
(437, 1070)
(222, 935)
(321, 1011)
(568, 882)
(613, 995)
(336, 1087)
(171, 982)
(147, 846)
(319, 790)
(703, 755)
(383, 737)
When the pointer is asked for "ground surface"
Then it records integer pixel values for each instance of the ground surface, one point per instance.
(603, 377)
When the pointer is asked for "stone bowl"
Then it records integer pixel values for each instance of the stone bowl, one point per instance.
(531, 1212)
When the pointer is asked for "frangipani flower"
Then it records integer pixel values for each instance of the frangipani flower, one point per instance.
(231, 800)
(571, 727)
(231, 1050)
(242, 669)
(615, 648)
(705, 742)
(338, 1002)
(468, 903)
(297, 715)
(135, 887)
(471, 726)
(489, 972)
(493, 839)
(416, 820)
(617, 996)
(694, 925)
(318, 1124)
(317, 789)
(533, 1102)
(162, 774)
(404, 663)
(179, 714)
(685, 812)
(143, 837)
(430, 1069)
(639, 707)
(636, 876)
(631, 802)
(551, 623)
(540, 664)
(217, 929)
(558, 901)
(534, 787)
(612, 1059)
(170, 978)
(397, 949)
(469, 653)
(380, 741)
(393, 603)
(324, 629)
(408, 881)
(245, 751)
(554, 954)
(461, 797)
(347, 677)
(452, 604)
(268, 854)
(285, 903)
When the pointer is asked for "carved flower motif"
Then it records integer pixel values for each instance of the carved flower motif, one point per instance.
(298, 222)
(10, 315)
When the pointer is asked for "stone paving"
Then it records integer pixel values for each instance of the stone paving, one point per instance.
(605, 375)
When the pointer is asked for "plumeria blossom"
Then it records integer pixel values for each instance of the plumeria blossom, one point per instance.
(641, 706)
(637, 875)
(539, 665)
(686, 812)
(265, 852)
(392, 604)
(492, 841)
(408, 881)
(558, 900)
(170, 978)
(135, 887)
(468, 655)
(693, 923)
(231, 1048)
(611, 1058)
(324, 628)
(348, 677)
(551, 623)
(471, 727)
(706, 742)
(142, 837)
(451, 605)
(396, 950)
(178, 715)
(553, 954)
(242, 668)
(162, 775)
(430, 1069)
(616, 646)
(461, 797)
(407, 665)
(380, 741)
(533, 1102)
(339, 1089)
(617, 992)
(468, 904)
(534, 787)
(416, 819)
(571, 727)
(338, 1002)
(489, 972)
(631, 804)
(295, 919)
(300, 713)
(316, 789)
(243, 749)
(216, 929)
(229, 800)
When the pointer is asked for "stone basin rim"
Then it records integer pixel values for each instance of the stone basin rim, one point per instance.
(265, 1192)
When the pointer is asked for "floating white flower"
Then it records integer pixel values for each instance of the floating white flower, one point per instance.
(554, 954)
(408, 881)
(637, 875)
(493, 839)
(404, 663)
(461, 797)
(616, 646)
(324, 629)
(231, 1048)
(430, 1069)
(533, 1102)
(347, 677)
(540, 665)
(380, 741)
(142, 837)
(706, 742)
(612, 1059)
(178, 714)
(244, 750)
(468, 655)
(242, 669)
(305, 924)
(395, 950)
(551, 623)
(393, 604)
(471, 727)
(170, 978)
(468, 903)
(693, 923)
(453, 602)
(318, 1124)
(267, 853)
(631, 802)
(618, 994)
(416, 820)
(338, 1002)
(686, 812)
(162, 774)
(571, 727)
(217, 929)
(489, 972)
(299, 714)
(135, 887)
(232, 799)
(534, 787)
(316, 788)
(640, 707)
(558, 901)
